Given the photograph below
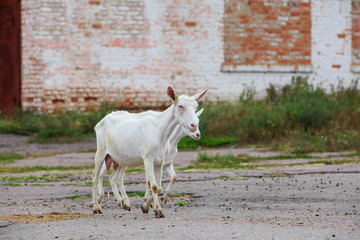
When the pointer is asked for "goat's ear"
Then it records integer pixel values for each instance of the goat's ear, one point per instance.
(171, 93)
(199, 95)
(198, 113)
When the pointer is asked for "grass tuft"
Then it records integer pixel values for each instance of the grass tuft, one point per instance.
(228, 161)
(44, 169)
(79, 196)
(6, 158)
(180, 203)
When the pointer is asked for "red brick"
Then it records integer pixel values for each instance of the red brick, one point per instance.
(94, 2)
(190, 24)
(285, 9)
(270, 17)
(96, 26)
(260, 50)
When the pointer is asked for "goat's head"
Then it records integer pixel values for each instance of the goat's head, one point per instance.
(185, 108)
(195, 135)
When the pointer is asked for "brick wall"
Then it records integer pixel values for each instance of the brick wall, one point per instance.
(78, 54)
(356, 35)
(268, 35)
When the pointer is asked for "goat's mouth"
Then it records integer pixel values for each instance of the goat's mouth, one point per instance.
(195, 136)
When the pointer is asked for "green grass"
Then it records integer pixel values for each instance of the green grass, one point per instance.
(13, 184)
(58, 168)
(87, 184)
(44, 169)
(135, 170)
(64, 126)
(277, 175)
(224, 177)
(178, 195)
(333, 162)
(229, 161)
(247, 158)
(6, 158)
(79, 196)
(136, 194)
(180, 203)
(41, 185)
(45, 177)
(188, 143)
(297, 118)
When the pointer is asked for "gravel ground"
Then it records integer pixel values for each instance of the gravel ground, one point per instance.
(302, 202)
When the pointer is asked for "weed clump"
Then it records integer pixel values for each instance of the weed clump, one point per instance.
(298, 117)
(64, 126)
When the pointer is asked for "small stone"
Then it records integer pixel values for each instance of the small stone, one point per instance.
(40, 216)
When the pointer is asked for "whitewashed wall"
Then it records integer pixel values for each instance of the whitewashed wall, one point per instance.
(78, 54)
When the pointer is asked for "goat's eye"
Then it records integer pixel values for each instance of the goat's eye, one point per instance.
(181, 107)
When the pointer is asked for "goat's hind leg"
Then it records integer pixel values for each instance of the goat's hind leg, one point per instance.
(113, 183)
(99, 160)
(100, 184)
(125, 198)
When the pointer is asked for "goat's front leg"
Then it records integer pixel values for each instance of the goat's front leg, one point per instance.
(148, 190)
(172, 174)
(125, 198)
(158, 174)
(151, 181)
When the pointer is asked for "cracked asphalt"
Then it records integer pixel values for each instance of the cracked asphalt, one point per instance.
(283, 202)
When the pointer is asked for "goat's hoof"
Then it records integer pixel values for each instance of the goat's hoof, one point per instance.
(144, 209)
(97, 211)
(159, 213)
(120, 204)
(126, 207)
(163, 200)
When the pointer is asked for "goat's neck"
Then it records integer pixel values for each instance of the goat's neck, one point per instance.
(167, 122)
(177, 135)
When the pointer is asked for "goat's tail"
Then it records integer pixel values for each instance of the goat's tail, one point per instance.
(100, 124)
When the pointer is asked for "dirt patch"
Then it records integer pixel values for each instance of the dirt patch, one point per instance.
(19, 144)
(46, 217)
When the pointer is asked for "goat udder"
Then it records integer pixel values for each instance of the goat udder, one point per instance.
(108, 162)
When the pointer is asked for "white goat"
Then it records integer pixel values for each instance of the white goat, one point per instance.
(170, 153)
(138, 139)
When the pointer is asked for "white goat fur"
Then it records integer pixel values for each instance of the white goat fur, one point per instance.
(132, 140)
(167, 163)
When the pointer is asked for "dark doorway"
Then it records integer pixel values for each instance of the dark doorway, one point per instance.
(10, 60)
